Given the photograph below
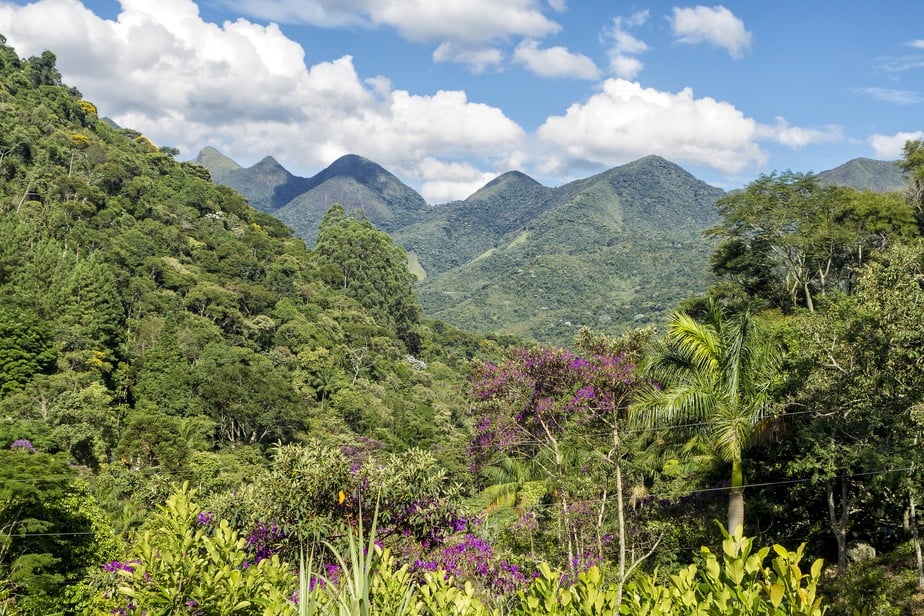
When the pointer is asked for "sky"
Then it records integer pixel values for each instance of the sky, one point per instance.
(449, 94)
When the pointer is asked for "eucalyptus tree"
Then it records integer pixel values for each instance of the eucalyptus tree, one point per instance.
(713, 380)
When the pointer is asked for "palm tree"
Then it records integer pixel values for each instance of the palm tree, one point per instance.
(514, 486)
(713, 380)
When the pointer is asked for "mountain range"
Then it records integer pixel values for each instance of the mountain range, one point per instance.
(618, 248)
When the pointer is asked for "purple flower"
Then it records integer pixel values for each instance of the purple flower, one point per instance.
(204, 517)
(22, 444)
(115, 565)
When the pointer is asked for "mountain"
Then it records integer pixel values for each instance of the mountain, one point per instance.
(355, 182)
(267, 185)
(450, 235)
(615, 249)
(866, 174)
(619, 248)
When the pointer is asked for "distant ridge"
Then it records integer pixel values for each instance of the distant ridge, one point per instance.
(355, 182)
(510, 181)
(866, 174)
(612, 250)
(619, 248)
(267, 185)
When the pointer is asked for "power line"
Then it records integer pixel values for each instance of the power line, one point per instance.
(908, 469)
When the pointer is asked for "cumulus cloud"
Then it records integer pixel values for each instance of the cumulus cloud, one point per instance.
(447, 181)
(890, 147)
(625, 47)
(245, 88)
(554, 61)
(717, 26)
(918, 44)
(471, 22)
(626, 121)
(798, 137)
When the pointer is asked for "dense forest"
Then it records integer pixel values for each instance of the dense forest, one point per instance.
(200, 415)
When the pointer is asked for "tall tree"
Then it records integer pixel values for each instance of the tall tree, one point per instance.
(913, 165)
(865, 389)
(369, 267)
(713, 380)
(788, 238)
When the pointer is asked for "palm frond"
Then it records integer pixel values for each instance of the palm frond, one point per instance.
(699, 342)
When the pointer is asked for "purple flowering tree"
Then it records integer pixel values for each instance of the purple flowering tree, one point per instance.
(563, 412)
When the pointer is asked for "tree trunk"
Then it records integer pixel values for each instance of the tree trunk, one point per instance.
(839, 525)
(736, 500)
(621, 580)
(917, 542)
(808, 297)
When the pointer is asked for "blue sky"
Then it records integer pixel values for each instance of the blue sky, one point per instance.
(447, 94)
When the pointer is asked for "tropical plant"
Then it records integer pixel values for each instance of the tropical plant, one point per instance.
(188, 563)
(713, 380)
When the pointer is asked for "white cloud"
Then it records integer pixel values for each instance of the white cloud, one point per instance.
(626, 121)
(625, 47)
(448, 181)
(465, 21)
(245, 88)
(325, 14)
(478, 59)
(903, 63)
(717, 26)
(626, 67)
(888, 95)
(890, 147)
(554, 61)
(798, 137)
(559, 6)
(918, 44)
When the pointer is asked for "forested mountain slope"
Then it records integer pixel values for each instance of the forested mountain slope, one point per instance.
(619, 248)
(866, 174)
(137, 293)
(592, 250)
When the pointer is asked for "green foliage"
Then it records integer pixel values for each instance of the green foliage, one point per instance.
(863, 381)
(312, 491)
(25, 348)
(51, 530)
(738, 583)
(913, 165)
(354, 256)
(181, 566)
(715, 381)
(787, 239)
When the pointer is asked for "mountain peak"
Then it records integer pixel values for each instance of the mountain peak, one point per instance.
(866, 174)
(270, 164)
(352, 165)
(510, 181)
(217, 163)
